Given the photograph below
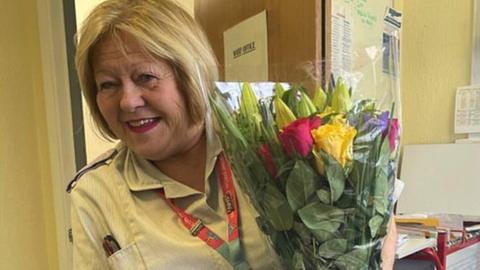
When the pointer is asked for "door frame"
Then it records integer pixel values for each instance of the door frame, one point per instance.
(61, 135)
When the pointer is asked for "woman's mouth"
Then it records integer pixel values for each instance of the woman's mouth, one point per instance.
(143, 125)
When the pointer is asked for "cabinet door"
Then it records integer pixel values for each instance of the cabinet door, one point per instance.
(294, 33)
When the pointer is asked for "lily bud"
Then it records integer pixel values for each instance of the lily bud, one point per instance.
(320, 99)
(279, 90)
(248, 101)
(305, 106)
(283, 114)
(341, 101)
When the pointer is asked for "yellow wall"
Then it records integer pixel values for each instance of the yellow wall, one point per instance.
(27, 234)
(436, 58)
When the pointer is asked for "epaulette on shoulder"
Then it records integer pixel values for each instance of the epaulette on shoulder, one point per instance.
(100, 161)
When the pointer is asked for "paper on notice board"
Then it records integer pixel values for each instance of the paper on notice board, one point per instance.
(246, 50)
(467, 109)
(341, 42)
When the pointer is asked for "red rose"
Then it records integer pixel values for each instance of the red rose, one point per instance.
(264, 152)
(297, 137)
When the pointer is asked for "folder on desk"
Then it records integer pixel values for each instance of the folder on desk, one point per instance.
(424, 221)
(443, 178)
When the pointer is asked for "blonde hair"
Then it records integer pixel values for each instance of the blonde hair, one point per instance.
(166, 32)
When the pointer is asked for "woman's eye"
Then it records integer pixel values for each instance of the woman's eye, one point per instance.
(146, 78)
(104, 86)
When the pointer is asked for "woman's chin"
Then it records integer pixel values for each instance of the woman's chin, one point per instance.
(148, 151)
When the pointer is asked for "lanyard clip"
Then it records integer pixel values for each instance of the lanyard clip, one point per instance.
(197, 227)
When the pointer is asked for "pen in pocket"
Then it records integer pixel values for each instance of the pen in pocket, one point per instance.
(110, 245)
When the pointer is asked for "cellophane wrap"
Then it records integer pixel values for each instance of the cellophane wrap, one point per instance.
(317, 160)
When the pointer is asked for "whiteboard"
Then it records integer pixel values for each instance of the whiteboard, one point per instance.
(441, 178)
(361, 41)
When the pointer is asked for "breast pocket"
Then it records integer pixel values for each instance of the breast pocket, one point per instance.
(127, 258)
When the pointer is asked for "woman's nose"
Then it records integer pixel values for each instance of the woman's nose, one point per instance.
(131, 98)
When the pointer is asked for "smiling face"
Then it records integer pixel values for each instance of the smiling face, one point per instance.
(139, 99)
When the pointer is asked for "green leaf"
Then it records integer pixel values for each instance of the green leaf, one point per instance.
(324, 196)
(322, 220)
(302, 232)
(300, 184)
(354, 260)
(375, 224)
(347, 200)
(382, 188)
(277, 209)
(315, 213)
(335, 175)
(297, 261)
(321, 266)
(327, 230)
(333, 248)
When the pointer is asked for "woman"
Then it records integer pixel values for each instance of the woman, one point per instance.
(141, 65)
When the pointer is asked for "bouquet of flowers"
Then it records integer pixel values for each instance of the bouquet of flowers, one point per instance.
(319, 171)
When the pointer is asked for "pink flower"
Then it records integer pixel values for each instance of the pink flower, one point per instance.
(393, 134)
(297, 137)
(264, 152)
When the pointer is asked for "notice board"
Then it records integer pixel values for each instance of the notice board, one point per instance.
(360, 52)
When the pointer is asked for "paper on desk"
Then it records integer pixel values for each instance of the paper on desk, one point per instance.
(397, 189)
(450, 221)
(413, 215)
(401, 239)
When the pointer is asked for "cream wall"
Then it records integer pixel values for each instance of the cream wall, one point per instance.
(27, 234)
(435, 58)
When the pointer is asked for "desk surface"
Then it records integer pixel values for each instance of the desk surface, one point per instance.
(414, 244)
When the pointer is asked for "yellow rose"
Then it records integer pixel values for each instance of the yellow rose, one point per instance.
(336, 139)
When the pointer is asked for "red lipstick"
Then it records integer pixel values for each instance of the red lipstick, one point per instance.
(142, 126)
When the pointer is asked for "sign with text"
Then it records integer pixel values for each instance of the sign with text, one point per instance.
(246, 50)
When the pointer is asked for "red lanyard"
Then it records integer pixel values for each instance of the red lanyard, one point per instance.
(195, 225)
